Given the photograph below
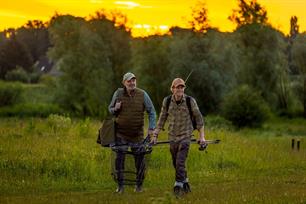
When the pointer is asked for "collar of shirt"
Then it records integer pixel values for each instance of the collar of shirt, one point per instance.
(182, 100)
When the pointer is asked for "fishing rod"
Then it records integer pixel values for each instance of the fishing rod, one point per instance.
(188, 76)
(146, 145)
(193, 140)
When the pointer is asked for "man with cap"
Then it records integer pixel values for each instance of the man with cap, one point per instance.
(175, 109)
(128, 105)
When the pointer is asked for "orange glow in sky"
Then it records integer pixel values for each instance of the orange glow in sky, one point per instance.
(149, 15)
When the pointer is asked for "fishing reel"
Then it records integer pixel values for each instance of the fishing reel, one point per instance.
(202, 146)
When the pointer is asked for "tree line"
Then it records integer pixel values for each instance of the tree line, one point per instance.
(93, 54)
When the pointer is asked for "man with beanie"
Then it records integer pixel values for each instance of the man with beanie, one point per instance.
(179, 113)
(128, 105)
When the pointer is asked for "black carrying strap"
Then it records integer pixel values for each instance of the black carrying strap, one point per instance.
(188, 98)
(168, 103)
(120, 93)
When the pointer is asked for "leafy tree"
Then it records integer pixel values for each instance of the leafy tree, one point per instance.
(264, 65)
(294, 27)
(294, 31)
(249, 12)
(245, 107)
(199, 21)
(299, 59)
(89, 54)
(23, 47)
(150, 62)
(14, 53)
(212, 61)
(34, 35)
(119, 19)
(113, 28)
(82, 57)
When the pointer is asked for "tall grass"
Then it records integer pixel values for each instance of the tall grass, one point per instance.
(27, 100)
(59, 154)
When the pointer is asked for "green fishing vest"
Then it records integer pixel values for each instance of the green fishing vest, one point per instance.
(130, 120)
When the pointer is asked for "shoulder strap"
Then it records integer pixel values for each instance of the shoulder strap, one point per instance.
(120, 92)
(168, 102)
(194, 122)
(188, 98)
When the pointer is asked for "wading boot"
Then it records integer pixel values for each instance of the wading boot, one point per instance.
(186, 187)
(138, 188)
(178, 191)
(119, 190)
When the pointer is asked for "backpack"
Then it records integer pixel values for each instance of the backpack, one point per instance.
(107, 131)
(188, 98)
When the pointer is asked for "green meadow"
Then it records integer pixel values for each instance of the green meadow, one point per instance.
(57, 79)
(57, 160)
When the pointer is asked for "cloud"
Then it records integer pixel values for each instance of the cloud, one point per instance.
(12, 14)
(130, 5)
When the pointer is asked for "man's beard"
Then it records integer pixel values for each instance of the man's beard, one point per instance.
(131, 88)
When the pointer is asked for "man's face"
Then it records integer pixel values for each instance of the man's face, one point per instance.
(130, 84)
(178, 91)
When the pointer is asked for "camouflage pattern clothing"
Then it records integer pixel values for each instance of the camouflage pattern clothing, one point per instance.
(180, 126)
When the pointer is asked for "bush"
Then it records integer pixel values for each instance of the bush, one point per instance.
(215, 122)
(59, 122)
(84, 127)
(18, 74)
(10, 93)
(37, 93)
(30, 110)
(48, 80)
(244, 107)
(34, 77)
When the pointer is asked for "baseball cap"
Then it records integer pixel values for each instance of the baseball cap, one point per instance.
(128, 76)
(177, 82)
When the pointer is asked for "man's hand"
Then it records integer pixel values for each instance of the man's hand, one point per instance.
(154, 137)
(150, 132)
(156, 132)
(117, 106)
(202, 140)
(153, 140)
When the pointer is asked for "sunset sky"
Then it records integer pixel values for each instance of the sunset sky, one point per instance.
(148, 14)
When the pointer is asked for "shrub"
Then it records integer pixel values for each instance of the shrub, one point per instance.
(244, 107)
(215, 122)
(37, 93)
(34, 77)
(58, 122)
(84, 127)
(18, 74)
(30, 110)
(10, 93)
(48, 80)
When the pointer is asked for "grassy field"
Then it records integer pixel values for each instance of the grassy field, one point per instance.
(57, 160)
